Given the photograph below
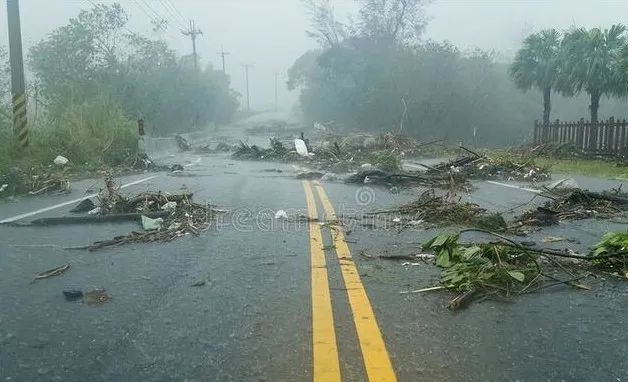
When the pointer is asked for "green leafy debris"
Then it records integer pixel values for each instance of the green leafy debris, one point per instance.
(612, 251)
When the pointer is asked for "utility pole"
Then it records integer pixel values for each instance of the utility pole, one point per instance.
(248, 99)
(18, 88)
(222, 53)
(193, 32)
(276, 98)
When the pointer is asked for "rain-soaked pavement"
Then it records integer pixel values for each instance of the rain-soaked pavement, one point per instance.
(253, 319)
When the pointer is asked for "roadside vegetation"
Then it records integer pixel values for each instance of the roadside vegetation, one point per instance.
(92, 79)
(589, 167)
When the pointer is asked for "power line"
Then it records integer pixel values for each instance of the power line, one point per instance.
(171, 14)
(125, 27)
(176, 10)
(151, 9)
(153, 19)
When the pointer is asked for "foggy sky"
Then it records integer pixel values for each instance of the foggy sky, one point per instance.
(270, 34)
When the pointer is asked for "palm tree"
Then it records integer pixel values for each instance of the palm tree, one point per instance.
(537, 65)
(591, 62)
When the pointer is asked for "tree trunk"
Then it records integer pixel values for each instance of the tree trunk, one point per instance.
(595, 105)
(547, 105)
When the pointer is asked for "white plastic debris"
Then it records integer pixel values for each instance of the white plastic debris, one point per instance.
(95, 211)
(170, 206)
(366, 166)
(3, 187)
(300, 146)
(329, 176)
(406, 263)
(396, 220)
(174, 226)
(281, 214)
(61, 160)
(319, 126)
(151, 224)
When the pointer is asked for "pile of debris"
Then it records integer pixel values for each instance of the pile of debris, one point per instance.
(276, 151)
(163, 216)
(38, 180)
(476, 166)
(507, 268)
(51, 181)
(572, 204)
(448, 181)
(445, 209)
(407, 146)
(612, 253)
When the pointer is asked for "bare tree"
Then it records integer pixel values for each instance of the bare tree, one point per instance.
(326, 30)
(392, 20)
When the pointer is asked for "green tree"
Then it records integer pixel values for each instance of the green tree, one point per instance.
(590, 63)
(77, 59)
(93, 56)
(5, 91)
(537, 64)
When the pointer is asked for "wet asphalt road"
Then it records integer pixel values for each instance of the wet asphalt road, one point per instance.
(252, 321)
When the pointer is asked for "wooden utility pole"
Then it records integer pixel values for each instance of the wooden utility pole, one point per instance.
(248, 99)
(222, 53)
(276, 92)
(193, 32)
(18, 86)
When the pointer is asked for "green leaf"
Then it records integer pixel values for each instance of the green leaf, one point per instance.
(470, 252)
(599, 251)
(442, 260)
(439, 241)
(517, 275)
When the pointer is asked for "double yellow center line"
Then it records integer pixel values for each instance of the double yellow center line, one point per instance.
(325, 351)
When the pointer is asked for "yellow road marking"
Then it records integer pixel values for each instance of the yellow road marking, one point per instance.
(325, 350)
(376, 359)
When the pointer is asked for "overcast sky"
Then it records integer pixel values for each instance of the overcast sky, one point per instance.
(270, 34)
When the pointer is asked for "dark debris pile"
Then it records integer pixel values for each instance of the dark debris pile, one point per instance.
(502, 167)
(276, 151)
(172, 215)
(446, 209)
(574, 204)
(35, 181)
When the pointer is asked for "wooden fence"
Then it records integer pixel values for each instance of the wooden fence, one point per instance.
(604, 137)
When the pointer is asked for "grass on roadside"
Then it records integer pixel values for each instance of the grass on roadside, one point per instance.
(589, 167)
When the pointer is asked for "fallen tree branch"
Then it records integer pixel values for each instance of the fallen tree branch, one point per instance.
(91, 219)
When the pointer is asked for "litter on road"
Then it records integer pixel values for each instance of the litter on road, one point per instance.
(96, 297)
(52, 272)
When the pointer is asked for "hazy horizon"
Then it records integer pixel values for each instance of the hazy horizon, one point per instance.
(270, 35)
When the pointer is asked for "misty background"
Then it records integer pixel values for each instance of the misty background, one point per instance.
(270, 34)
